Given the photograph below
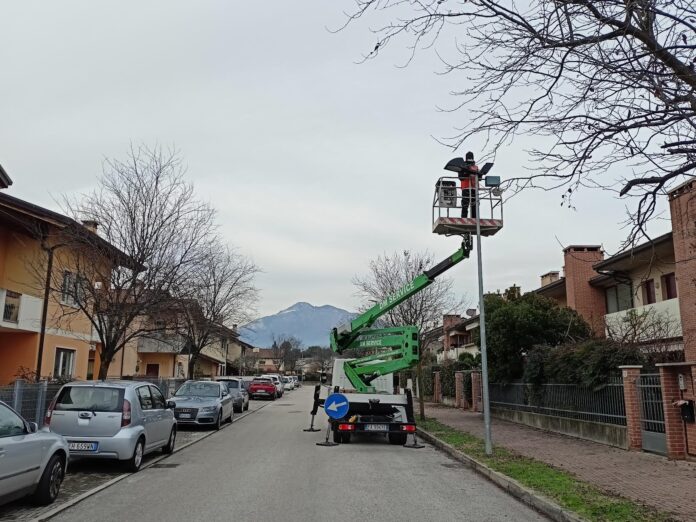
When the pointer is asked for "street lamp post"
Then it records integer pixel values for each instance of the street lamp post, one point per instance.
(482, 332)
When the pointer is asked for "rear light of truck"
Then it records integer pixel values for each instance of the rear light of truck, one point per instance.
(346, 427)
(408, 428)
(49, 412)
(126, 413)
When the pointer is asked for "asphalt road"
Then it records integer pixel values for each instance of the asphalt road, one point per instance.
(265, 468)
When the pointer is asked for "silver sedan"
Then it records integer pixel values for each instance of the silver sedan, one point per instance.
(203, 403)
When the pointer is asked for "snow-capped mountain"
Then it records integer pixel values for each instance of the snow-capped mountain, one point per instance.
(310, 324)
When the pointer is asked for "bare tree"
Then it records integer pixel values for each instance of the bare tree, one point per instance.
(148, 243)
(387, 275)
(606, 87)
(218, 293)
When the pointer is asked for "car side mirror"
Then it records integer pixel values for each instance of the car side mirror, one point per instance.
(32, 427)
(171, 405)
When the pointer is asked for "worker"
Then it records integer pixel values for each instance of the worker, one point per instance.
(469, 178)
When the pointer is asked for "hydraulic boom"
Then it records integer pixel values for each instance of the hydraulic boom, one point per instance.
(396, 348)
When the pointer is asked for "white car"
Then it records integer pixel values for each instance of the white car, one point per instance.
(288, 383)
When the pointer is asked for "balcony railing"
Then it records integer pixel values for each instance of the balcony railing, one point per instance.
(660, 319)
(10, 312)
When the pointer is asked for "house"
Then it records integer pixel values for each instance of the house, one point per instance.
(631, 296)
(265, 360)
(34, 337)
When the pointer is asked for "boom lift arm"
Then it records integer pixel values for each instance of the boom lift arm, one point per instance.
(401, 343)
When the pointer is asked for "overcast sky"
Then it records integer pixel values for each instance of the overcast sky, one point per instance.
(315, 164)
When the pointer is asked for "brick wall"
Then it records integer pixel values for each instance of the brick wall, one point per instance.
(682, 204)
(588, 301)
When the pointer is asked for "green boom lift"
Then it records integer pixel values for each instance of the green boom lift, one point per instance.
(396, 348)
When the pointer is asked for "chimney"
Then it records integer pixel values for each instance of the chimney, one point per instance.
(90, 225)
(585, 299)
(550, 277)
(448, 321)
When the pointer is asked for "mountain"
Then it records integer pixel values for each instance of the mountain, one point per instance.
(310, 324)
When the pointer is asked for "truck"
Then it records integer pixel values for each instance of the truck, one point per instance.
(375, 404)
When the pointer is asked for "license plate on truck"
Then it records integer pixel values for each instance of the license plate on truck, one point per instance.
(83, 446)
(376, 427)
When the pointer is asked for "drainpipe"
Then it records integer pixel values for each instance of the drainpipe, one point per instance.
(44, 313)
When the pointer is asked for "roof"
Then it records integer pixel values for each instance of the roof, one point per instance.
(5, 180)
(661, 245)
(19, 211)
(463, 324)
(555, 288)
(264, 353)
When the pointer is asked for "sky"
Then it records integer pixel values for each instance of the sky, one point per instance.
(315, 163)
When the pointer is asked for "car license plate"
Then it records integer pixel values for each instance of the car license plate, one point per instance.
(184, 415)
(83, 446)
(376, 427)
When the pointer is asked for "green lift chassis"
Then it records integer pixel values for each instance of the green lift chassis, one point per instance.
(393, 349)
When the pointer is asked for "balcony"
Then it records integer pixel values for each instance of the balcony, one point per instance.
(20, 312)
(658, 320)
(453, 353)
(161, 343)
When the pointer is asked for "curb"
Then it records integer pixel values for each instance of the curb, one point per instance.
(72, 502)
(536, 501)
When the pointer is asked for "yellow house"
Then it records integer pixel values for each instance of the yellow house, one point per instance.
(35, 337)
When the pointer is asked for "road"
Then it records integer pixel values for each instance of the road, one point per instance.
(265, 468)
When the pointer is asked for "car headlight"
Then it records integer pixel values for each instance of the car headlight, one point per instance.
(208, 409)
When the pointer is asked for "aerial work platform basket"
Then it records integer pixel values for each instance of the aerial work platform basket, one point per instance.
(447, 208)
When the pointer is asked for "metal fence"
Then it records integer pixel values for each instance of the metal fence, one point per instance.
(605, 404)
(31, 399)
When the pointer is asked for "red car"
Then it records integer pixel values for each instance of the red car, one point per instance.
(262, 387)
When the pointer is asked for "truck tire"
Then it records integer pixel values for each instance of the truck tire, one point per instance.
(337, 437)
(397, 439)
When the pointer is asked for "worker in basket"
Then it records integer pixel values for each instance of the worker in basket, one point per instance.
(469, 179)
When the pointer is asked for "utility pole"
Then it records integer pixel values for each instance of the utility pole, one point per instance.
(482, 330)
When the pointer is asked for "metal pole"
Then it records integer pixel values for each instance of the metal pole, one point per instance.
(482, 330)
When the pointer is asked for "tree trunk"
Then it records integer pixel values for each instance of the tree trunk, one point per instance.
(421, 391)
(191, 365)
(104, 363)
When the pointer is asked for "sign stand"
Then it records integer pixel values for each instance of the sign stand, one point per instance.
(327, 442)
(415, 444)
(315, 409)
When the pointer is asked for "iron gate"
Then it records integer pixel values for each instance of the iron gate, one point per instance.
(652, 414)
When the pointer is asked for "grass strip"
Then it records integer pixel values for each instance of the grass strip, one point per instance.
(578, 496)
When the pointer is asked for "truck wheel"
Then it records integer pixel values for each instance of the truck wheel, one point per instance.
(398, 439)
(346, 438)
(337, 437)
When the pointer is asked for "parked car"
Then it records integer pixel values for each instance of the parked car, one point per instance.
(288, 383)
(122, 420)
(263, 387)
(277, 382)
(203, 403)
(297, 381)
(238, 391)
(32, 462)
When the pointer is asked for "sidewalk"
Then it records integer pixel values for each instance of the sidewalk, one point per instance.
(668, 486)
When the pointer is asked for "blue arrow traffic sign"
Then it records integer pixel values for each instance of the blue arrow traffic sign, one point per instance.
(336, 405)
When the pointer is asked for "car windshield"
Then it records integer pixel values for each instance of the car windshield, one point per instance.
(198, 389)
(90, 398)
(232, 384)
(285, 379)
(261, 381)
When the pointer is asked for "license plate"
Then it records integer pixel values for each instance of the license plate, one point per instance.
(376, 427)
(83, 446)
(184, 415)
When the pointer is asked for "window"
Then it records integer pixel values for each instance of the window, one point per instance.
(158, 401)
(669, 286)
(619, 297)
(72, 291)
(11, 424)
(92, 398)
(648, 292)
(145, 397)
(11, 311)
(64, 364)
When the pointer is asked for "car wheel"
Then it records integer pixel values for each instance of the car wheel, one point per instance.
(169, 448)
(218, 421)
(398, 439)
(237, 409)
(246, 407)
(133, 464)
(51, 480)
(231, 417)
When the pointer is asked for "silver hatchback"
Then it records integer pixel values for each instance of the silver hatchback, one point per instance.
(122, 420)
